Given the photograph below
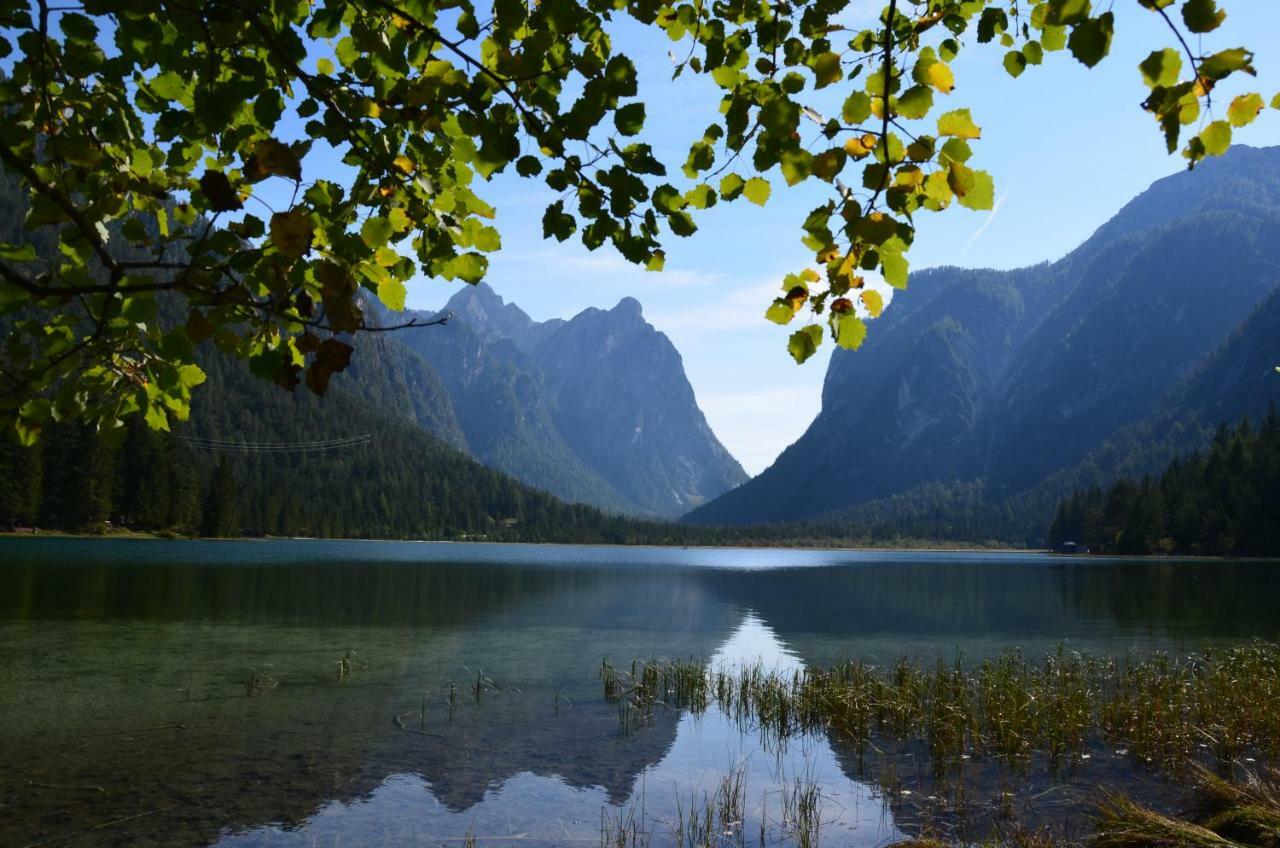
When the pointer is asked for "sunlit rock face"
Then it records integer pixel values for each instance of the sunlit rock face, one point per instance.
(595, 409)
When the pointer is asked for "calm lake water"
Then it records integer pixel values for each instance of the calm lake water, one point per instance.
(189, 693)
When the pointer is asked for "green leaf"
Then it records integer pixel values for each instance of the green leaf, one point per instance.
(826, 69)
(1061, 12)
(169, 85)
(392, 293)
(470, 267)
(851, 331)
(1090, 41)
(979, 193)
(1015, 63)
(629, 119)
(894, 267)
(701, 196)
(1226, 62)
(18, 252)
(1202, 15)
(857, 108)
(804, 343)
(1244, 109)
(796, 165)
(557, 223)
(915, 102)
(376, 231)
(1216, 138)
(78, 27)
(780, 312)
(954, 150)
(1054, 38)
(958, 123)
(1161, 68)
(757, 190)
(731, 186)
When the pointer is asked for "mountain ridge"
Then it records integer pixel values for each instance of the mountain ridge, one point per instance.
(1002, 380)
(624, 434)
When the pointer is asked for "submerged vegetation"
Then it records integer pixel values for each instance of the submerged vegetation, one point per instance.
(1150, 723)
(1166, 711)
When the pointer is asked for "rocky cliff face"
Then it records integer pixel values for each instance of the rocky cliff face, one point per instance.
(595, 409)
(1006, 380)
(622, 401)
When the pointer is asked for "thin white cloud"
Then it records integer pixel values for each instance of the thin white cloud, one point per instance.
(991, 216)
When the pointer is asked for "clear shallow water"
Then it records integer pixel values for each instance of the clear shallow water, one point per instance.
(187, 692)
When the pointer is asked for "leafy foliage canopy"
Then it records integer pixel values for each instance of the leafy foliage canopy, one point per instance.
(151, 136)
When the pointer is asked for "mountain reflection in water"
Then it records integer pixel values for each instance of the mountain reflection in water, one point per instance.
(187, 693)
(528, 808)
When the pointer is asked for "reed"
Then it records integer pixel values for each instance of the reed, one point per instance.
(350, 664)
(1168, 711)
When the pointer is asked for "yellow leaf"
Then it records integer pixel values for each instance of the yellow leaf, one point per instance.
(873, 301)
(404, 163)
(939, 76)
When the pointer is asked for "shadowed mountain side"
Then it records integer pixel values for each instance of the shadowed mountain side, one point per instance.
(504, 413)
(392, 378)
(999, 380)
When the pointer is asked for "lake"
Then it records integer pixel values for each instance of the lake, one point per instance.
(291, 693)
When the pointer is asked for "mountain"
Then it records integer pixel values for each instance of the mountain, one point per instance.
(981, 396)
(595, 409)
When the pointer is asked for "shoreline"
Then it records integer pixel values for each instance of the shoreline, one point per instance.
(940, 548)
(950, 547)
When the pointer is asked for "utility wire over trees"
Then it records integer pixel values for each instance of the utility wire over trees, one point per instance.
(235, 446)
(147, 134)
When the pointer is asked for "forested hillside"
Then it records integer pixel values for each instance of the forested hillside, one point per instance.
(402, 482)
(984, 396)
(1220, 502)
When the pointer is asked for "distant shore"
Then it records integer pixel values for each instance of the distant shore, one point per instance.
(908, 546)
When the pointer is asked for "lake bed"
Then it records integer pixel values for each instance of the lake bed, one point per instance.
(382, 693)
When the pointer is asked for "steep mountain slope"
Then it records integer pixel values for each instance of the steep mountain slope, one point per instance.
(1005, 380)
(623, 403)
(503, 410)
(594, 409)
(394, 379)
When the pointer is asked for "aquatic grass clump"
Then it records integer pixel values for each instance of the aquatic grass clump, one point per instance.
(350, 664)
(1167, 711)
(1220, 702)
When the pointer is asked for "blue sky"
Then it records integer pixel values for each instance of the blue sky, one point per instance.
(1067, 146)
